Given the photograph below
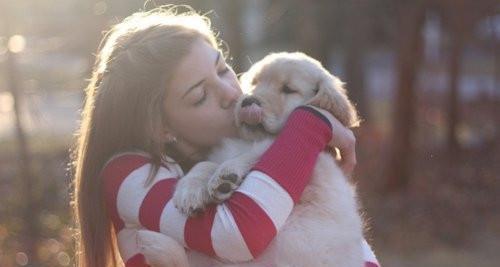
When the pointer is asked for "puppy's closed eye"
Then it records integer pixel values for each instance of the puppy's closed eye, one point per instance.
(316, 89)
(287, 90)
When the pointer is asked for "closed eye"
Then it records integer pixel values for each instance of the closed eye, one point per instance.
(201, 100)
(287, 90)
(316, 89)
(223, 71)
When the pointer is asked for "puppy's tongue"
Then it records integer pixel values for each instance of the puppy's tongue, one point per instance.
(251, 115)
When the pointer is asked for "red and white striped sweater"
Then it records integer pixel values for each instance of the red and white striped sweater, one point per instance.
(238, 229)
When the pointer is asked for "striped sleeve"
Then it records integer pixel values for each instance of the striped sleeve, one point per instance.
(238, 229)
(131, 204)
(243, 226)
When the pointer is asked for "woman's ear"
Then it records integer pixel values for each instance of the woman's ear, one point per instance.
(331, 96)
(167, 136)
(162, 133)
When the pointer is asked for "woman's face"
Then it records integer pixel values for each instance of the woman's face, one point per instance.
(200, 99)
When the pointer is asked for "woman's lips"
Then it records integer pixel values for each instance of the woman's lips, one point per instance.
(251, 115)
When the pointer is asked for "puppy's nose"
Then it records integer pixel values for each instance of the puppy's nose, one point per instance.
(249, 101)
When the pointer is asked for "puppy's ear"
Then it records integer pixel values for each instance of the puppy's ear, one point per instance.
(331, 96)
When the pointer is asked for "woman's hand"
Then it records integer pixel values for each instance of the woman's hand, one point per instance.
(343, 139)
(161, 250)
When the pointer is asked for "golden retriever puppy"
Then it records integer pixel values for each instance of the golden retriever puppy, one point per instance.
(324, 228)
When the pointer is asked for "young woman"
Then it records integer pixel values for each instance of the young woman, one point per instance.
(161, 95)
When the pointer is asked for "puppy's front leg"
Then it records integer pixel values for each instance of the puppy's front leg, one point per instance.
(228, 177)
(191, 193)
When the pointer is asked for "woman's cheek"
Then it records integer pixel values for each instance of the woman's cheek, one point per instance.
(222, 126)
(236, 84)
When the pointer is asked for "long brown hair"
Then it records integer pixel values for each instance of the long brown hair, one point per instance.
(123, 111)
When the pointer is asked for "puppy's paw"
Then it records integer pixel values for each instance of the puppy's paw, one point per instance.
(191, 197)
(223, 184)
(160, 250)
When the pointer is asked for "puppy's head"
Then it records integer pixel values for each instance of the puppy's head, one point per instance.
(278, 84)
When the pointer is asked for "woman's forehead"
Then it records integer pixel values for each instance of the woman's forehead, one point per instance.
(195, 66)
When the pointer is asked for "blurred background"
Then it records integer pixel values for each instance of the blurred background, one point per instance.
(424, 75)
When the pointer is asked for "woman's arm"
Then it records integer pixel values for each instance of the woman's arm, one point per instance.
(240, 228)
(267, 195)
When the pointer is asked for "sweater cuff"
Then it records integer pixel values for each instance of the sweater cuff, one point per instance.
(291, 158)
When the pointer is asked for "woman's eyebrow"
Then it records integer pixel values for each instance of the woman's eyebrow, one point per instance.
(217, 58)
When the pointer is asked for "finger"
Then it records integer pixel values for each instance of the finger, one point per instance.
(347, 168)
(348, 160)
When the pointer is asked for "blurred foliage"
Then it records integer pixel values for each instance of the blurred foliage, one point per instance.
(402, 61)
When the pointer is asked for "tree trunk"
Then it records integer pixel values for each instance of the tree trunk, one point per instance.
(409, 54)
(354, 72)
(29, 208)
(232, 33)
(457, 45)
(308, 36)
(496, 90)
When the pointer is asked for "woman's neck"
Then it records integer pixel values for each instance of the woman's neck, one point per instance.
(187, 157)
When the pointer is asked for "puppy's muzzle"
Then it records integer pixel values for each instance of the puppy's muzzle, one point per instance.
(250, 101)
(251, 111)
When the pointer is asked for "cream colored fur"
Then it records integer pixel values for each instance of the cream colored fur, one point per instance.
(325, 228)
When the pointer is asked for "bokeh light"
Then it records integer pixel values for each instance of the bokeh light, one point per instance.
(401, 61)
(21, 258)
(17, 43)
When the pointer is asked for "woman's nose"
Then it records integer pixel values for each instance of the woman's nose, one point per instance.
(228, 96)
